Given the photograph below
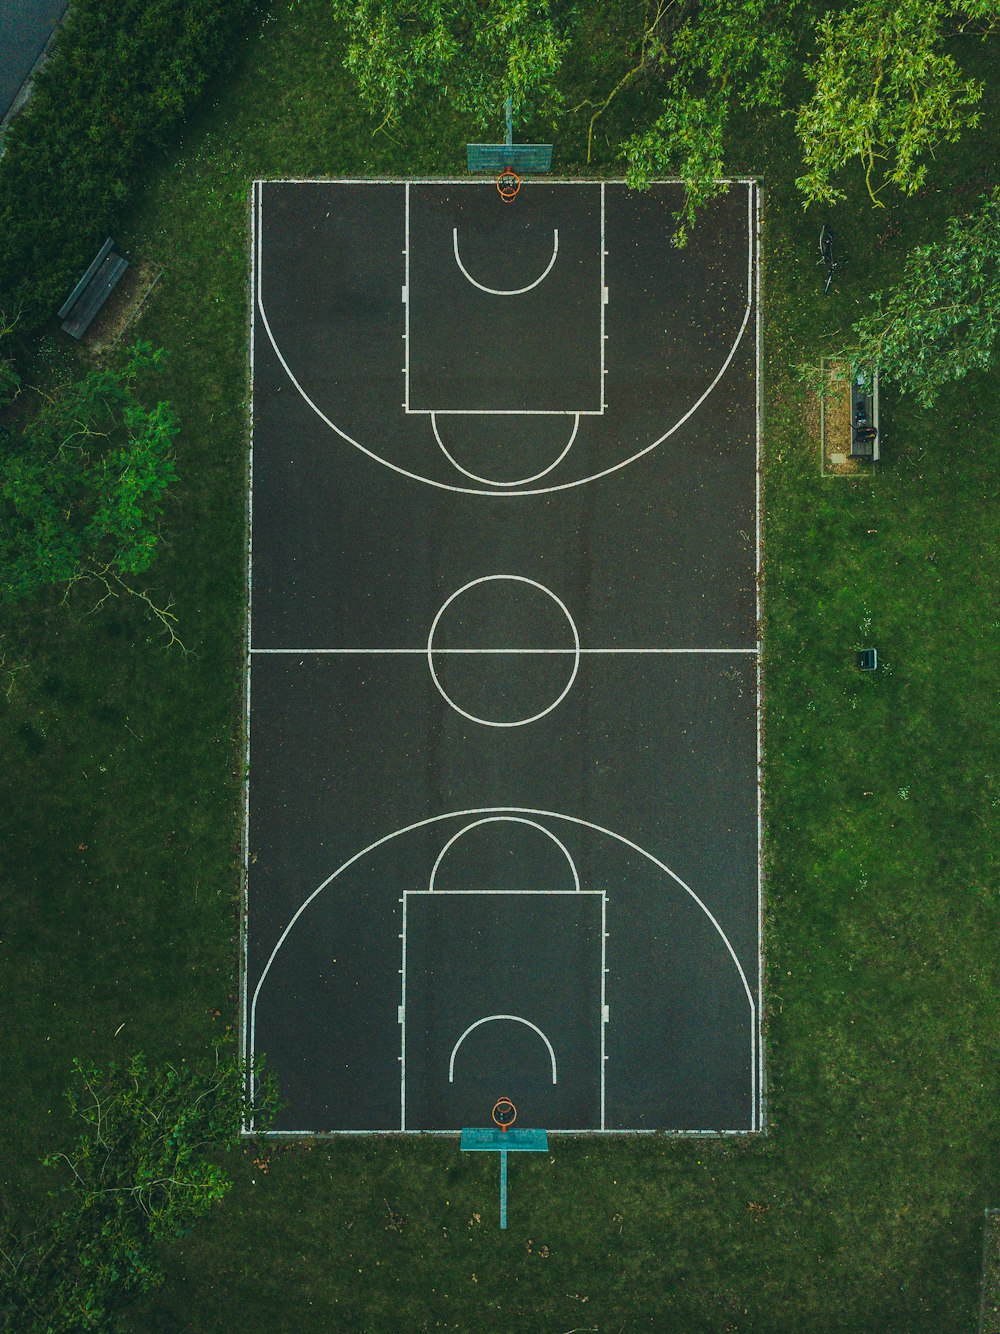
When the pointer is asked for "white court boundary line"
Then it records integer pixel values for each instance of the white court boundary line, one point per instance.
(505, 819)
(402, 1023)
(592, 1132)
(492, 1018)
(500, 291)
(604, 1003)
(492, 481)
(406, 303)
(759, 387)
(479, 182)
(542, 814)
(248, 663)
(604, 299)
(256, 244)
(422, 652)
(476, 491)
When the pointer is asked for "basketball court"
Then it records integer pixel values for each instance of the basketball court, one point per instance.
(503, 825)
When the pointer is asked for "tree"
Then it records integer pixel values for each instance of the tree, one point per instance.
(942, 319)
(476, 53)
(82, 485)
(716, 57)
(885, 91)
(144, 1170)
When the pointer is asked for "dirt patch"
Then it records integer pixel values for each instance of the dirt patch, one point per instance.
(835, 423)
(123, 305)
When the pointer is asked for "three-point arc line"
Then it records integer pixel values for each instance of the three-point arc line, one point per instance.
(577, 822)
(259, 306)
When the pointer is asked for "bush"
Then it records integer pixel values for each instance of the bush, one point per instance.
(120, 79)
(82, 484)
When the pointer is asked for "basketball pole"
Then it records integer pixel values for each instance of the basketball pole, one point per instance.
(503, 1190)
(510, 122)
(499, 1138)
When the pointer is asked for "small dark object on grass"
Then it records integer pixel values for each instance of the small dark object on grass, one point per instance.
(868, 659)
(827, 255)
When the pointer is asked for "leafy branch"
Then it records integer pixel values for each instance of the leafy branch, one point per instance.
(650, 48)
(886, 92)
(722, 55)
(144, 1169)
(82, 487)
(940, 322)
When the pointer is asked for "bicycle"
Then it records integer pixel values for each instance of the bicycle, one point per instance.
(827, 256)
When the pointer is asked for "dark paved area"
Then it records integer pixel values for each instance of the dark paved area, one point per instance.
(470, 350)
(637, 775)
(25, 27)
(533, 957)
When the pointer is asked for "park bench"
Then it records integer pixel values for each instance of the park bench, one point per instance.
(89, 295)
(864, 419)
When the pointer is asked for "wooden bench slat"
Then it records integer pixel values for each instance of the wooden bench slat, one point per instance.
(102, 283)
(77, 291)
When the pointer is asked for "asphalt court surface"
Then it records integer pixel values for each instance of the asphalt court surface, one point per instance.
(503, 795)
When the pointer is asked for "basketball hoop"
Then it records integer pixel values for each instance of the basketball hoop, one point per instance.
(508, 184)
(504, 1113)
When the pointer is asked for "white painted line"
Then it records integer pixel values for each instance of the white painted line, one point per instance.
(604, 1005)
(568, 651)
(479, 182)
(591, 1131)
(245, 1054)
(759, 1109)
(492, 481)
(402, 1029)
(406, 301)
(491, 412)
(505, 819)
(493, 1018)
(517, 579)
(475, 491)
(544, 893)
(604, 299)
(511, 291)
(540, 814)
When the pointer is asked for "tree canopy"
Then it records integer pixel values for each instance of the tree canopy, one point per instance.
(942, 319)
(886, 91)
(475, 54)
(83, 481)
(144, 1169)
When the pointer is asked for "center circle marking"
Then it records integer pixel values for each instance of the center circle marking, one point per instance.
(514, 579)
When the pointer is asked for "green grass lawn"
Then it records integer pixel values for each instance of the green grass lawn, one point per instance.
(862, 1208)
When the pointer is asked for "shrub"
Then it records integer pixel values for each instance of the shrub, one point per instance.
(119, 80)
